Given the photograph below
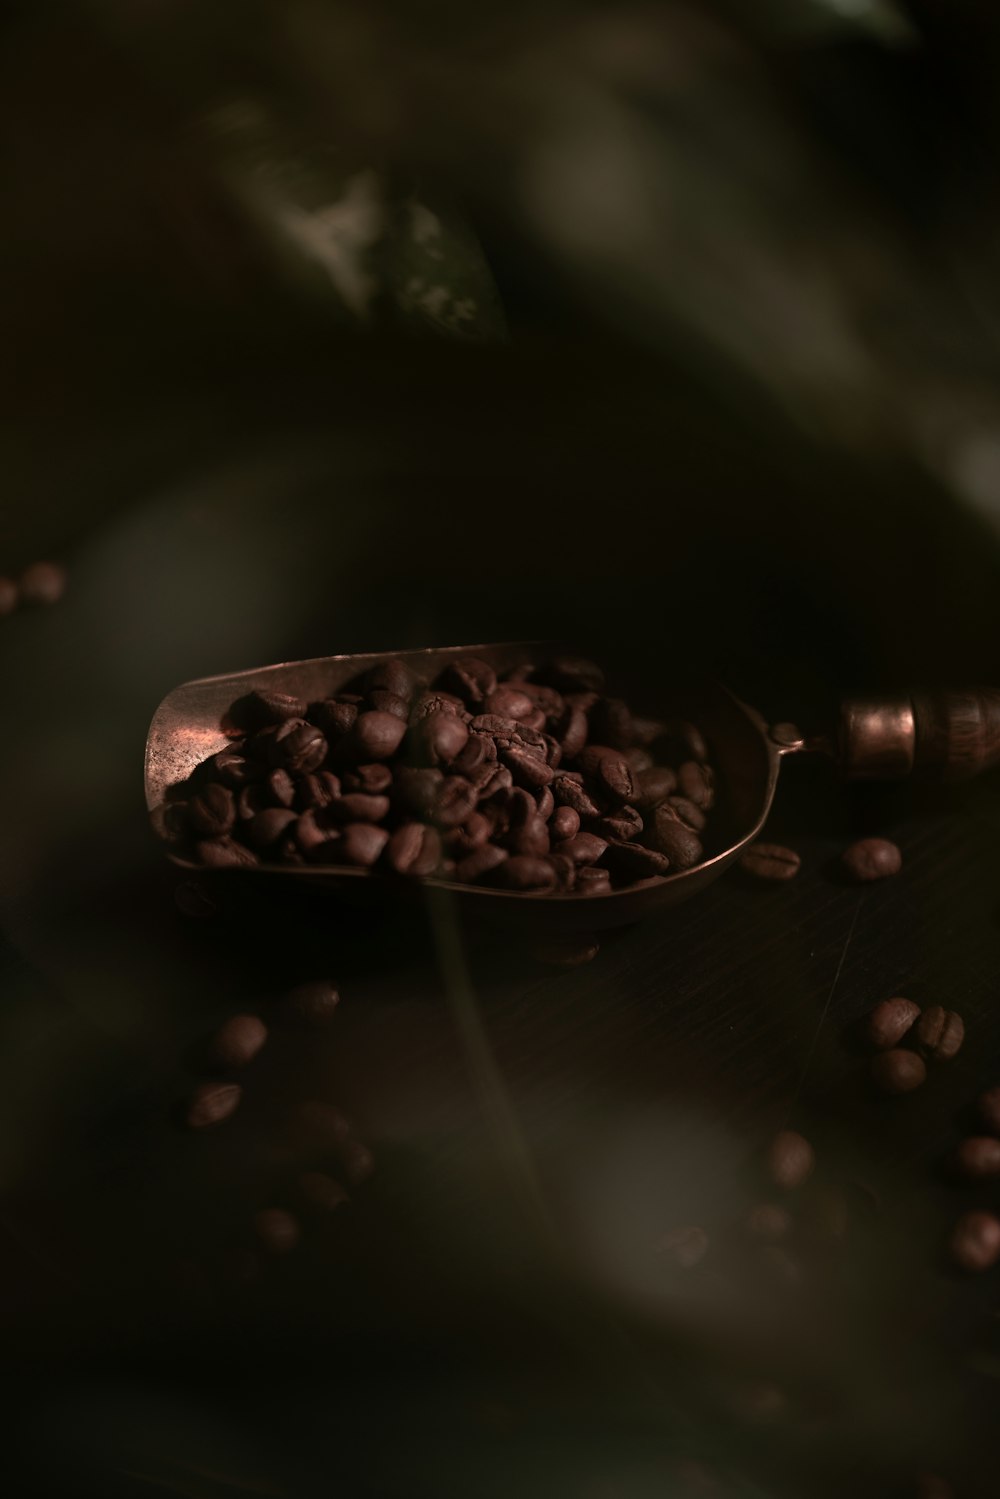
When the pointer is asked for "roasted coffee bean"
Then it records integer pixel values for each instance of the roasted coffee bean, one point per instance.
(361, 843)
(388, 702)
(898, 1071)
(281, 788)
(372, 780)
(526, 873)
(211, 1103)
(414, 849)
(545, 802)
(685, 1247)
(234, 769)
(631, 861)
(590, 880)
(988, 1108)
(521, 673)
(320, 1192)
(975, 1242)
(571, 674)
(476, 866)
(696, 782)
(623, 825)
(639, 759)
(889, 1022)
(237, 1042)
(790, 1159)
(268, 826)
(271, 707)
(335, 719)
(312, 1004)
(691, 816)
(375, 736)
(566, 870)
(768, 1221)
(225, 853)
(417, 790)
(939, 1033)
(585, 848)
(8, 596)
(655, 785)
(437, 739)
(978, 1157)
(499, 780)
(770, 861)
(438, 702)
(357, 807)
(471, 679)
(531, 837)
(42, 583)
(296, 746)
(212, 812)
(312, 838)
(525, 766)
(565, 824)
(169, 821)
(509, 702)
(571, 729)
(545, 700)
(392, 676)
(455, 801)
(871, 859)
(569, 792)
(668, 834)
(611, 722)
(553, 751)
(478, 757)
(277, 1231)
(608, 772)
(472, 834)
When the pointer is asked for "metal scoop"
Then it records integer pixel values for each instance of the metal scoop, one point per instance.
(956, 734)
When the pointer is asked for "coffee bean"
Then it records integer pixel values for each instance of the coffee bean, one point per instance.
(237, 1042)
(696, 782)
(212, 812)
(455, 802)
(277, 1231)
(335, 719)
(392, 676)
(372, 780)
(482, 862)
(361, 843)
(375, 736)
(571, 674)
(498, 781)
(312, 1004)
(655, 785)
(510, 702)
(357, 807)
(525, 873)
(414, 849)
(437, 739)
(608, 772)
(988, 1108)
(473, 833)
(585, 848)
(438, 702)
(224, 853)
(790, 1159)
(639, 759)
(8, 596)
(591, 880)
(312, 839)
(525, 767)
(531, 837)
(546, 700)
(317, 791)
(470, 679)
(975, 1242)
(631, 861)
(234, 769)
(611, 722)
(623, 825)
(768, 1221)
(545, 802)
(417, 790)
(898, 1071)
(668, 834)
(978, 1157)
(281, 788)
(770, 861)
(42, 583)
(569, 792)
(268, 826)
(211, 1103)
(271, 707)
(478, 756)
(571, 729)
(566, 871)
(356, 1161)
(690, 815)
(871, 859)
(296, 746)
(686, 1247)
(320, 1192)
(889, 1022)
(388, 702)
(939, 1033)
(565, 824)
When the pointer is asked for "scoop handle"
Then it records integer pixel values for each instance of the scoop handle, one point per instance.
(949, 735)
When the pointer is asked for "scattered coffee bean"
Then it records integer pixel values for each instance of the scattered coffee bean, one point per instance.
(978, 1157)
(898, 1071)
(975, 1242)
(686, 1246)
(42, 583)
(889, 1022)
(768, 1221)
(790, 1159)
(8, 596)
(988, 1108)
(770, 861)
(212, 1103)
(871, 859)
(321, 1192)
(277, 1231)
(238, 1041)
(939, 1033)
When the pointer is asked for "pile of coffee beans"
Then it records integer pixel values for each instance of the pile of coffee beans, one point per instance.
(535, 780)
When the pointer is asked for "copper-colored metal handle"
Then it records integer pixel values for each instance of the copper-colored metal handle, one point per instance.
(952, 735)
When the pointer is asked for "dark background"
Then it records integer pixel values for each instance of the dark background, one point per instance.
(703, 366)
